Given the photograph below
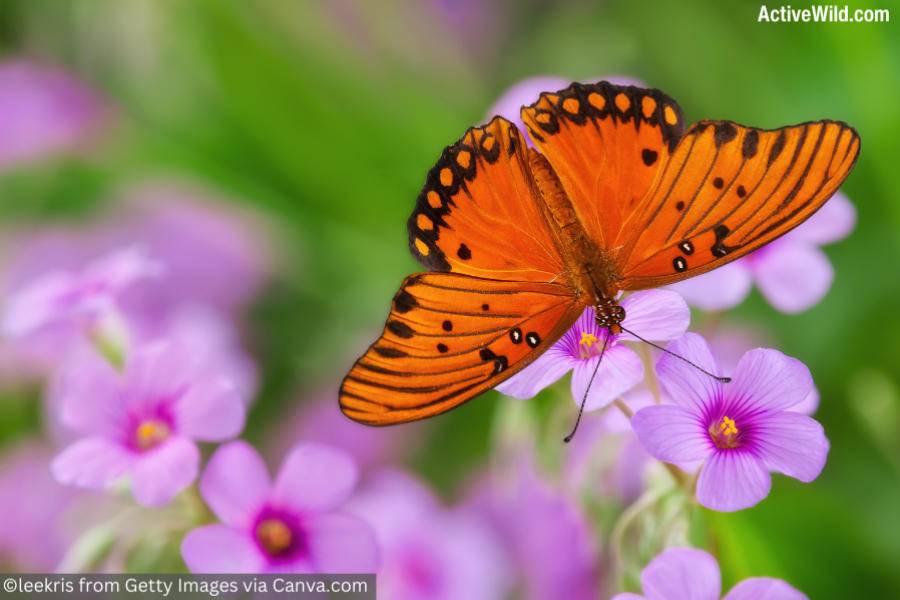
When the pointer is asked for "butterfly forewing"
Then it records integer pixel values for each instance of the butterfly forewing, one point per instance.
(727, 190)
(448, 338)
(479, 213)
(606, 144)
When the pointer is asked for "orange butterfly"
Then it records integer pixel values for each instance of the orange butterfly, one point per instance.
(518, 242)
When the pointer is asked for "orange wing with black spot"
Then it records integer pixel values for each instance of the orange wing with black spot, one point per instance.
(729, 189)
(606, 143)
(499, 298)
(479, 213)
(450, 337)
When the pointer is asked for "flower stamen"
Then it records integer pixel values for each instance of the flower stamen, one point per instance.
(274, 535)
(587, 342)
(725, 433)
(151, 433)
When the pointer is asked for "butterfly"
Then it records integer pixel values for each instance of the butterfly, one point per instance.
(617, 195)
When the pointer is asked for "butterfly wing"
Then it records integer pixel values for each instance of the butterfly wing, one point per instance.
(450, 337)
(606, 143)
(489, 309)
(479, 213)
(729, 189)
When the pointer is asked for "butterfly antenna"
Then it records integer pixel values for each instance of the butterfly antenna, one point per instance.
(678, 356)
(571, 435)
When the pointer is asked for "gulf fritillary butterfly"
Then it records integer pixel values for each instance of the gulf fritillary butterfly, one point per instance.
(616, 197)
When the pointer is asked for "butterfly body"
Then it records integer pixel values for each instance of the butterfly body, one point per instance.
(617, 195)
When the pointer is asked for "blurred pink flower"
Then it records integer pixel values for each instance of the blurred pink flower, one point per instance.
(292, 525)
(606, 458)
(681, 573)
(212, 345)
(214, 252)
(657, 315)
(44, 111)
(65, 299)
(549, 538)
(143, 422)
(792, 272)
(428, 551)
(32, 537)
(741, 430)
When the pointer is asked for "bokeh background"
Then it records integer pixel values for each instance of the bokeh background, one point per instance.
(322, 118)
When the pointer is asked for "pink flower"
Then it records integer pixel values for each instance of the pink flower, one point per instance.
(546, 532)
(143, 422)
(682, 573)
(657, 315)
(430, 552)
(76, 299)
(792, 272)
(214, 252)
(32, 536)
(44, 111)
(741, 430)
(292, 525)
(606, 458)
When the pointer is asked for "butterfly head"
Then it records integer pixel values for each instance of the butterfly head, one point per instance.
(609, 314)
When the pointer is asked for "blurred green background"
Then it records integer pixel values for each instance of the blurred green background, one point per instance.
(327, 115)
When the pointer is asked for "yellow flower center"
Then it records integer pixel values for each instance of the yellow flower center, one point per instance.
(725, 433)
(274, 536)
(587, 342)
(151, 433)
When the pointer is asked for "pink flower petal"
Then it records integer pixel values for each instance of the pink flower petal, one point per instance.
(791, 443)
(628, 596)
(342, 544)
(211, 411)
(160, 474)
(720, 289)
(155, 372)
(221, 549)
(671, 433)
(764, 588)
(682, 574)
(87, 393)
(655, 315)
(92, 463)
(767, 379)
(809, 405)
(620, 370)
(833, 222)
(315, 477)
(686, 385)
(793, 276)
(732, 480)
(545, 371)
(235, 483)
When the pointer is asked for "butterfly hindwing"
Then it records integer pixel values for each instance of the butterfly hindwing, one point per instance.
(606, 144)
(729, 189)
(447, 339)
(479, 213)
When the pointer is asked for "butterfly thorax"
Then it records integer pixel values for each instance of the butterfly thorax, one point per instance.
(590, 269)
